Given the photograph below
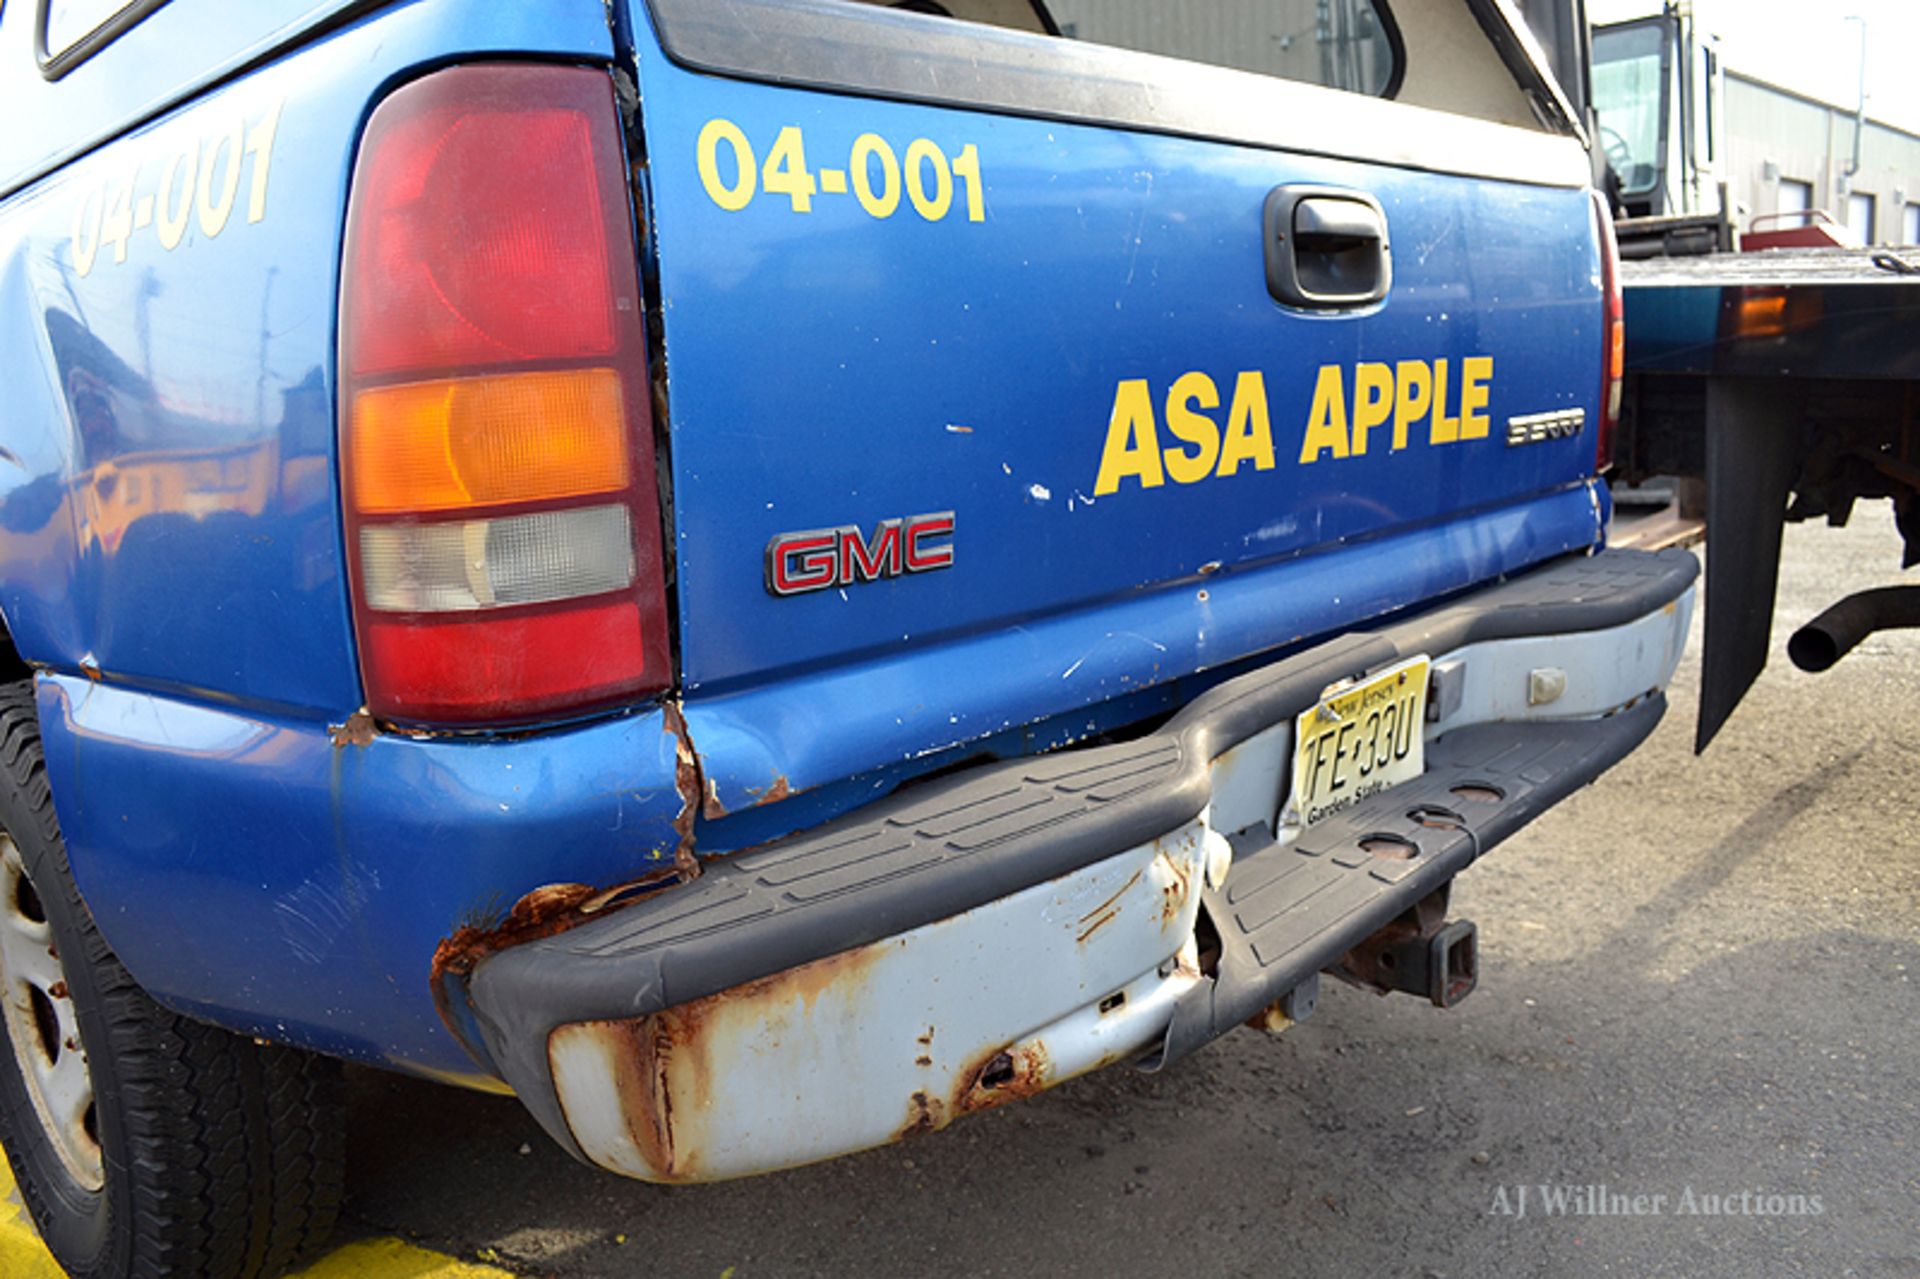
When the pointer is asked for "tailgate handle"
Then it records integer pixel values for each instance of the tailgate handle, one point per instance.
(1327, 249)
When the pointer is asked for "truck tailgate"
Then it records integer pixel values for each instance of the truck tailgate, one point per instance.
(1063, 335)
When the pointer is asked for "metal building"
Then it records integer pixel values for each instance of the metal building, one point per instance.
(1787, 151)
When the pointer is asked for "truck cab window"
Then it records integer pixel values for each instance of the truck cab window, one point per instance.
(1630, 94)
(68, 22)
(1341, 44)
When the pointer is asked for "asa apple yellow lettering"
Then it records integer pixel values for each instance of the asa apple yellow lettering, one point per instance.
(1411, 392)
(1133, 449)
(1347, 417)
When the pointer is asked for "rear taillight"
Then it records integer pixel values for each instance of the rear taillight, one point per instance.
(1613, 335)
(497, 468)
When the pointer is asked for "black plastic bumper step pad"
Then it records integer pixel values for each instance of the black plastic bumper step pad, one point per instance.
(1286, 912)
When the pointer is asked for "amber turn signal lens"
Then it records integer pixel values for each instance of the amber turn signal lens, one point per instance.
(482, 441)
(1763, 314)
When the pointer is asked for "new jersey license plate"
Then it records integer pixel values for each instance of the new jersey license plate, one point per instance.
(1359, 741)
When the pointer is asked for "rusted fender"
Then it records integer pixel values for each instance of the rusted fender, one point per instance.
(554, 908)
(547, 910)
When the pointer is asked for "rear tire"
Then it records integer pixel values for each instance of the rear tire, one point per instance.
(144, 1143)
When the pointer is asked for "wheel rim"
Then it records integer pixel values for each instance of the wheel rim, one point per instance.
(41, 1024)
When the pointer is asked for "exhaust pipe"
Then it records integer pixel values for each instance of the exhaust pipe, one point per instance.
(1829, 637)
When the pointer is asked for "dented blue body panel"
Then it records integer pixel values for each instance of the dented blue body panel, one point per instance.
(171, 559)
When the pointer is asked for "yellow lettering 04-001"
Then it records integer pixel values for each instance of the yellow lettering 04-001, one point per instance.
(1133, 441)
(1201, 432)
(1327, 421)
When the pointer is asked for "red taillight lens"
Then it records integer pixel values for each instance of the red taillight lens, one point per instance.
(453, 671)
(496, 434)
(485, 202)
(1613, 335)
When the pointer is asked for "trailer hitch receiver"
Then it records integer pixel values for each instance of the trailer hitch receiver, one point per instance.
(1420, 953)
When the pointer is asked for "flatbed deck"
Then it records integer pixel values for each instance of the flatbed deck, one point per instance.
(1831, 314)
(1776, 268)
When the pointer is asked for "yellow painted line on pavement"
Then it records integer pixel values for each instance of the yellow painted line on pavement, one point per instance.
(23, 1256)
(392, 1259)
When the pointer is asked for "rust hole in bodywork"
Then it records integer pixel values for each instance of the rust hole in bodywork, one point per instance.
(1113, 1001)
(1007, 1074)
(359, 730)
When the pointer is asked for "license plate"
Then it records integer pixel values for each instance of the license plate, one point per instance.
(1359, 741)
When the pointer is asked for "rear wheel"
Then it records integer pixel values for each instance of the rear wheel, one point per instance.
(144, 1143)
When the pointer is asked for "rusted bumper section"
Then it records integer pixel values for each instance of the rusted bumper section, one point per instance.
(987, 935)
(895, 1037)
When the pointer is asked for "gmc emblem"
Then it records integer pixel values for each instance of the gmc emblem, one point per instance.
(820, 558)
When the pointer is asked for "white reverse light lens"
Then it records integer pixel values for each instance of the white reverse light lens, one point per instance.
(474, 564)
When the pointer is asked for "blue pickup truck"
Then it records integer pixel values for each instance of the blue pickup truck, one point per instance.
(763, 574)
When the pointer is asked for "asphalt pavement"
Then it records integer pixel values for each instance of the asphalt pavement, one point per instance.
(1696, 1014)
